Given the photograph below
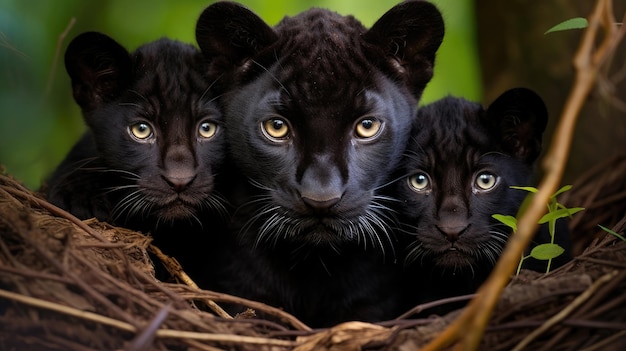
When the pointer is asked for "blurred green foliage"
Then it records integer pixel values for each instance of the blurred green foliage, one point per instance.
(39, 121)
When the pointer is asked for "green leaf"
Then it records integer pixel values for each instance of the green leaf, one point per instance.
(552, 229)
(562, 190)
(612, 232)
(562, 213)
(527, 188)
(560, 206)
(546, 251)
(573, 23)
(509, 221)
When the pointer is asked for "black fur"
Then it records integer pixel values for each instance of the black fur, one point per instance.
(166, 180)
(314, 233)
(459, 165)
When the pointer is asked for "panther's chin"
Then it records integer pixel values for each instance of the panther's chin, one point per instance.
(176, 210)
(454, 259)
(322, 232)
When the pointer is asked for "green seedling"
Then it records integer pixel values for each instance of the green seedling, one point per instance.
(545, 251)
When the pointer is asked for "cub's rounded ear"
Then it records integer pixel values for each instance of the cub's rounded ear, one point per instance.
(229, 34)
(99, 68)
(408, 36)
(518, 118)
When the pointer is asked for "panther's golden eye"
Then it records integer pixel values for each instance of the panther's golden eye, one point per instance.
(485, 181)
(368, 127)
(141, 130)
(207, 129)
(419, 182)
(276, 129)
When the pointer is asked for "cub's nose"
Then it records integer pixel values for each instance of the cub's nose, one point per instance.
(452, 233)
(179, 184)
(320, 206)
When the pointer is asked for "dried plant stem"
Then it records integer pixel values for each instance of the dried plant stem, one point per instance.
(25, 194)
(144, 340)
(57, 53)
(467, 330)
(202, 347)
(160, 333)
(174, 268)
(259, 306)
(602, 344)
(226, 338)
(70, 311)
(422, 307)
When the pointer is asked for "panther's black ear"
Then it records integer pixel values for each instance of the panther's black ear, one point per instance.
(229, 34)
(408, 37)
(518, 118)
(99, 68)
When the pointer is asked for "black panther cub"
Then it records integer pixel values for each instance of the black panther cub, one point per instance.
(317, 118)
(154, 142)
(460, 164)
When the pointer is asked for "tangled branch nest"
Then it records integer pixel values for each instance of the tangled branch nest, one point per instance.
(66, 284)
(603, 205)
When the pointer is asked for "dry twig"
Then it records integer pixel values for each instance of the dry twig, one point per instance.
(174, 268)
(57, 53)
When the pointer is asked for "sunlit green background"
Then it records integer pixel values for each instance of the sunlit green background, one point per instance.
(39, 120)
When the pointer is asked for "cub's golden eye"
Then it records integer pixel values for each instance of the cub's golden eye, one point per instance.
(276, 129)
(367, 127)
(207, 129)
(419, 182)
(141, 130)
(486, 181)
